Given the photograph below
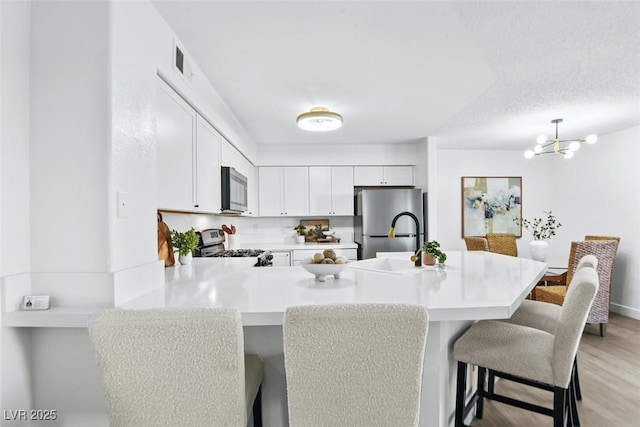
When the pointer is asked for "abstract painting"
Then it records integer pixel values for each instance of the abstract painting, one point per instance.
(490, 204)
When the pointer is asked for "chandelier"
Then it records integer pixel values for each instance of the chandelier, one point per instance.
(319, 119)
(564, 147)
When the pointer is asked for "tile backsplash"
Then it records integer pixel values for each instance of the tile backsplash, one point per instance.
(258, 230)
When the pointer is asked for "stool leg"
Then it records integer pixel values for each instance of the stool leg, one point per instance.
(482, 374)
(257, 409)
(491, 382)
(573, 406)
(559, 406)
(460, 392)
(576, 379)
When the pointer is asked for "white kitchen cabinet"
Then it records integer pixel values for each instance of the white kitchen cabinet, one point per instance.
(281, 258)
(300, 255)
(383, 176)
(283, 191)
(207, 162)
(252, 189)
(188, 153)
(331, 190)
(176, 128)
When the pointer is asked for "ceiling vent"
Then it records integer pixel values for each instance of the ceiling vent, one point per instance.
(181, 63)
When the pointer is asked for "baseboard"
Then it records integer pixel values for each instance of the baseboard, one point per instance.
(632, 312)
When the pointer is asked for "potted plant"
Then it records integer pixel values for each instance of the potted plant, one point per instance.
(431, 252)
(301, 232)
(542, 230)
(185, 243)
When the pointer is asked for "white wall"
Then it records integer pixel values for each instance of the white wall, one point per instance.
(14, 138)
(593, 193)
(15, 373)
(70, 136)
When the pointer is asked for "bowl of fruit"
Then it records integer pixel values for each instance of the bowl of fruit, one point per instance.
(324, 264)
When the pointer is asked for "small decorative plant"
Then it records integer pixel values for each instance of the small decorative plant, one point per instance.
(301, 230)
(539, 228)
(433, 248)
(185, 242)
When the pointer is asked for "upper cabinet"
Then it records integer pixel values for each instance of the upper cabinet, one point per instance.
(207, 183)
(331, 190)
(283, 191)
(176, 127)
(188, 156)
(383, 176)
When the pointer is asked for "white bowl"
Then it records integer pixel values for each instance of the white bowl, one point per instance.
(321, 271)
(328, 232)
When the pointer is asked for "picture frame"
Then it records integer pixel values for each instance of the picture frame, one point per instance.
(314, 228)
(491, 204)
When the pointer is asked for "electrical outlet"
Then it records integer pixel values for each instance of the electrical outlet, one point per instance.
(35, 302)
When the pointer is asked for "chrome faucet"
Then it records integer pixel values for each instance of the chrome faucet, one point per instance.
(392, 234)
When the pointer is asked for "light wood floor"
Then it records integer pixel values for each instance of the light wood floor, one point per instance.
(609, 376)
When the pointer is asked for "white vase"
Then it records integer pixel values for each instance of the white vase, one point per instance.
(300, 239)
(185, 259)
(538, 249)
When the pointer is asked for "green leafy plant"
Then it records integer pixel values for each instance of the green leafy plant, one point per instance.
(541, 229)
(433, 248)
(301, 229)
(185, 242)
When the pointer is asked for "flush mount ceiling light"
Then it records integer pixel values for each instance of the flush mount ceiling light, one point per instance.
(565, 147)
(319, 119)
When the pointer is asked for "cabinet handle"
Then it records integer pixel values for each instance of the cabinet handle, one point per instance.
(196, 206)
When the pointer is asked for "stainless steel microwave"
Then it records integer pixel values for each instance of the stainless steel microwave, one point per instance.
(234, 191)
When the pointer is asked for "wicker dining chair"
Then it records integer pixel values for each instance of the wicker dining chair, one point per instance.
(502, 243)
(476, 243)
(605, 251)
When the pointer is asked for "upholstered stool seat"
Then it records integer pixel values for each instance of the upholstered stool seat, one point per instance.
(509, 348)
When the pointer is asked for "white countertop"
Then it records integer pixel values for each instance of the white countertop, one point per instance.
(472, 286)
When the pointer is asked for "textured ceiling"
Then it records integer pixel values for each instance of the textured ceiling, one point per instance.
(474, 74)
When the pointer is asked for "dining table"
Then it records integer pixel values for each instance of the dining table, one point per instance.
(471, 286)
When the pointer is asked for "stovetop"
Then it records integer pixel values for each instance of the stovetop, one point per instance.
(239, 253)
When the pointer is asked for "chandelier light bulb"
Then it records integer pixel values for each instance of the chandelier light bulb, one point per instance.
(574, 146)
(529, 154)
(538, 149)
(541, 139)
(568, 154)
(591, 139)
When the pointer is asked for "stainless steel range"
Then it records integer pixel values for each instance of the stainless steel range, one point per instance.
(212, 245)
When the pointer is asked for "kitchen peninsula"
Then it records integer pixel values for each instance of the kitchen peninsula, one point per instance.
(472, 286)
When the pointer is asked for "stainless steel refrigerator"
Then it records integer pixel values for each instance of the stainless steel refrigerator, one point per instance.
(375, 210)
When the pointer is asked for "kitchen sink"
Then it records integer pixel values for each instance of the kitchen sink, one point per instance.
(386, 265)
